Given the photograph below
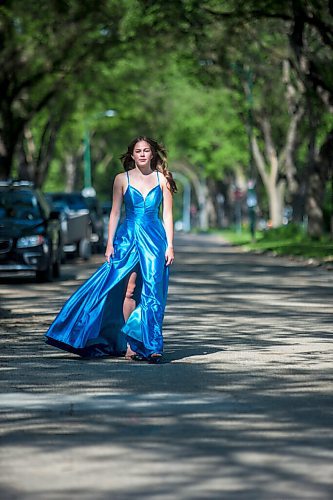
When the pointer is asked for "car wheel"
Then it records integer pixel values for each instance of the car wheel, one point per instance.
(85, 249)
(46, 275)
(63, 257)
(56, 268)
(57, 264)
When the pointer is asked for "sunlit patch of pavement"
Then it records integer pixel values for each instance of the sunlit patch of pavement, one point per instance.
(241, 407)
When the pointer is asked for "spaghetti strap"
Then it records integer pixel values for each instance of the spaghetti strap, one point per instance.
(128, 181)
(158, 177)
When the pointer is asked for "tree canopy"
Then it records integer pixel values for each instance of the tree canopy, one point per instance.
(228, 86)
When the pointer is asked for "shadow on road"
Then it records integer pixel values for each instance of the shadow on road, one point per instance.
(241, 408)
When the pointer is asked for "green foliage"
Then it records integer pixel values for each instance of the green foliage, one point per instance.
(287, 232)
(163, 100)
(50, 51)
(204, 127)
(185, 82)
(285, 240)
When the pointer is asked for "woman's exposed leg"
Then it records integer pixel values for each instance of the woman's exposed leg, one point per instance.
(129, 305)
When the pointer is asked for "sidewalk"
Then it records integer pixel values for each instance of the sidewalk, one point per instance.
(241, 408)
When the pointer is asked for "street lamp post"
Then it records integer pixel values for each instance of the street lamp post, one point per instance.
(109, 113)
(87, 159)
(186, 201)
(251, 191)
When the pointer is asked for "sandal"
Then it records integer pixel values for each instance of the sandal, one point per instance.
(137, 357)
(129, 357)
(154, 358)
(134, 357)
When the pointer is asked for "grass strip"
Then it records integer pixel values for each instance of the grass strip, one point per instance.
(285, 240)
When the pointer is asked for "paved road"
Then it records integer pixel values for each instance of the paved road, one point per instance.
(241, 408)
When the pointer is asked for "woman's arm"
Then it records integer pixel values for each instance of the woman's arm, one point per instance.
(117, 200)
(168, 221)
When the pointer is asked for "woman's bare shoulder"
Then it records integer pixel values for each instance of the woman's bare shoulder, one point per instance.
(120, 178)
(163, 179)
(122, 175)
(164, 182)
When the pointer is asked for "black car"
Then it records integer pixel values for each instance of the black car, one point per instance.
(30, 232)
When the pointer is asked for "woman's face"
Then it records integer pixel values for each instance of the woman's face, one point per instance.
(142, 154)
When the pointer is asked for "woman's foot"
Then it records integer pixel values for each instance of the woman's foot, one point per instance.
(130, 357)
(129, 353)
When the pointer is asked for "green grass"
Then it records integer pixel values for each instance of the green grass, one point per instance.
(286, 240)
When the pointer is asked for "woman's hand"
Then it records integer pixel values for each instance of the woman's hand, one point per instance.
(169, 256)
(109, 252)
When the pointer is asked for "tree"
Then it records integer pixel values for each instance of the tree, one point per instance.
(256, 64)
(278, 120)
(45, 47)
(307, 26)
(205, 135)
(310, 35)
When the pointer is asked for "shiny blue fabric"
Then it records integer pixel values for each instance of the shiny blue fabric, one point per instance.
(91, 322)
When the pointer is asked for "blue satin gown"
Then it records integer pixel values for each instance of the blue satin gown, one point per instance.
(91, 323)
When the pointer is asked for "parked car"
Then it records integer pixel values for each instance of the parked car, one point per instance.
(96, 216)
(30, 232)
(106, 209)
(75, 222)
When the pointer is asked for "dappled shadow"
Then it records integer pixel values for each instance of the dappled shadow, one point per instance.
(30, 278)
(246, 436)
(241, 408)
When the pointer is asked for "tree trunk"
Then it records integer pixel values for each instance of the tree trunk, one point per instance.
(25, 168)
(213, 210)
(320, 171)
(7, 149)
(274, 187)
(314, 207)
(276, 202)
(202, 193)
(70, 169)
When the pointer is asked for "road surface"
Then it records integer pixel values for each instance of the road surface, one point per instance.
(241, 408)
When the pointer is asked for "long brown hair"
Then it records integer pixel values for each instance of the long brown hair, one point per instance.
(158, 161)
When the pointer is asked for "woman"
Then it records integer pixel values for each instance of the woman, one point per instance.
(120, 309)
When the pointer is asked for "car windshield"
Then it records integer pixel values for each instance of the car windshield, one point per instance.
(72, 200)
(21, 205)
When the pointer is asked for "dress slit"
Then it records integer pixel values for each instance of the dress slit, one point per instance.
(110, 333)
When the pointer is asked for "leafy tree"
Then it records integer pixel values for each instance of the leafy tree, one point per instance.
(308, 28)
(205, 135)
(45, 47)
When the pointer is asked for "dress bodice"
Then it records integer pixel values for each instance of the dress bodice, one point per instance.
(139, 207)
